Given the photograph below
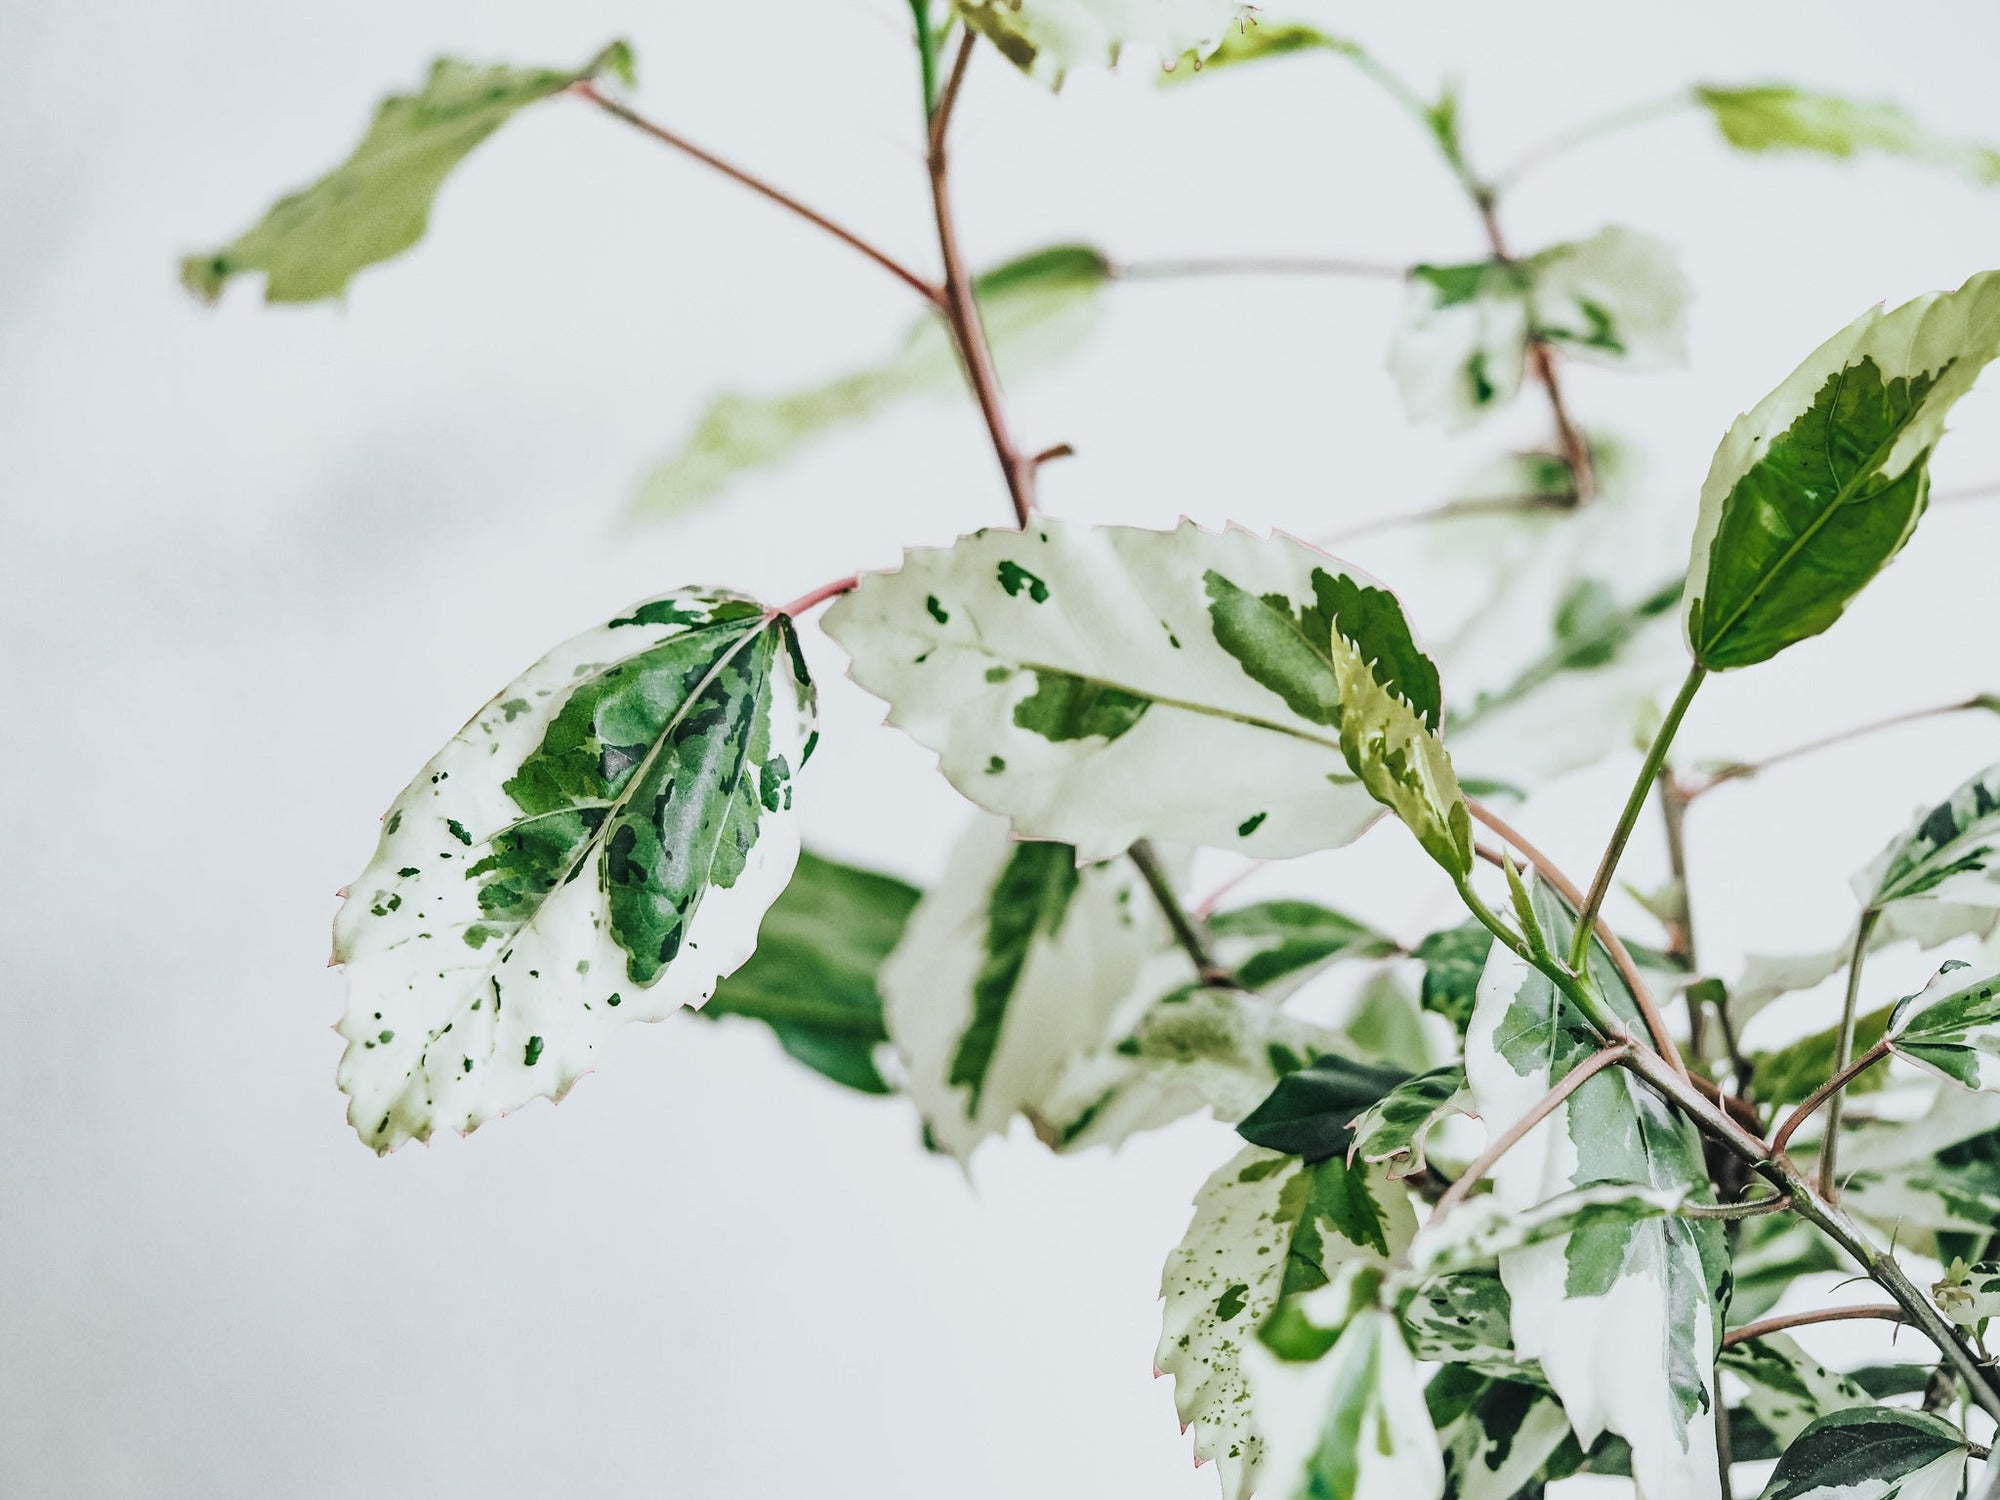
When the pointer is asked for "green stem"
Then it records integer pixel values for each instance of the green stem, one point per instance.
(927, 43)
(1635, 804)
(1843, 1055)
(1188, 932)
(1595, 129)
(1608, 1023)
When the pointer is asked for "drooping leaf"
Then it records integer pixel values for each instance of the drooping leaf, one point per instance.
(1950, 854)
(1497, 1434)
(1265, 1226)
(1011, 968)
(1952, 1027)
(1624, 1318)
(1780, 117)
(1073, 679)
(1874, 1453)
(1047, 38)
(1789, 1074)
(1819, 485)
(377, 203)
(1969, 1294)
(597, 846)
(1037, 311)
(1453, 960)
(1616, 298)
(812, 978)
(1786, 1389)
(1275, 946)
(1394, 1132)
(1311, 1112)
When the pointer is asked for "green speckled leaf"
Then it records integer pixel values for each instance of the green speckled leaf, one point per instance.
(597, 846)
(1037, 310)
(1779, 117)
(1624, 1318)
(1952, 1027)
(1466, 1318)
(1071, 678)
(1497, 1434)
(377, 203)
(1950, 854)
(1046, 39)
(1875, 1453)
(812, 978)
(1786, 1389)
(1815, 489)
(1394, 1131)
(1453, 960)
(1487, 1227)
(1969, 1294)
(1265, 1226)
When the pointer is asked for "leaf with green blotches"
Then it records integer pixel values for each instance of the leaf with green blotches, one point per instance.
(1038, 310)
(1497, 1434)
(597, 846)
(1818, 486)
(1311, 1112)
(1265, 1226)
(1099, 685)
(1950, 854)
(1969, 1294)
(1046, 39)
(1952, 1027)
(1484, 1228)
(1453, 960)
(1938, 1174)
(1617, 298)
(1013, 966)
(1394, 1131)
(1786, 1389)
(1466, 1318)
(1872, 1453)
(377, 203)
(1273, 947)
(1624, 1317)
(1779, 117)
(812, 978)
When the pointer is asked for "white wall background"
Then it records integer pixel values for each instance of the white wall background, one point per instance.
(256, 564)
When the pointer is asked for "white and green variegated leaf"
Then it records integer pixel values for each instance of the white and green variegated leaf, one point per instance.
(1928, 924)
(1616, 298)
(597, 846)
(1481, 1230)
(1273, 947)
(1623, 1317)
(1392, 745)
(1351, 1424)
(1780, 117)
(1952, 1027)
(377, 203)
(1012, 967)
(1497, 1434)
(1394, 1132)
(1969, 1294)
(1772, 1251)
(1037, 311)
(1818, 486)
(1466, 1318)
(1873, 1453)
(1951, 854)
(1259, 40)
(1046, 39)
(1100, 685)
(1936, 1174)
(1266, 1226)
(1785, 1388)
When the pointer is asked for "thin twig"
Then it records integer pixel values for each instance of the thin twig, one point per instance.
(819, 595)
(612, 107)
(1824, 1092)
(1591, 130)
(1742, 770)
(1886, 1312)
(1511, 1137)
(1542, 362)
(1843, 1057)
(1256, 265)
(1187, 930)
(1776, 1203)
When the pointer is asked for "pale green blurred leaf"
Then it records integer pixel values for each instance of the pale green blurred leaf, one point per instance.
(1779, 117)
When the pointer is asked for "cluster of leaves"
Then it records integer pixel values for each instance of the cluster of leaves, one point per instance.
(615, 837)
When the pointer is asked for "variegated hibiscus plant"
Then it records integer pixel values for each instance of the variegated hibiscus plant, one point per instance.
(1527, 1213)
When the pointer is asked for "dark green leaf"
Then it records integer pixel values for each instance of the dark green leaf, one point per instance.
(1310, 1112)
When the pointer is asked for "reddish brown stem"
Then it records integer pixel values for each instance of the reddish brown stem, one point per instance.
(1542, 363)
(1886, 1312)
(819, 596)
(1547, 1105)
(1825, 1092)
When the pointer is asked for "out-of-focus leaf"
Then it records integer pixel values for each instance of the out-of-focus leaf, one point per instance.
(1046, 39)
(1938, 1174)
(1951, 854)
(1787, 1075)
(1780, 117)
(1275, 946)
(1771, 1252)
(1787, 1389)
(1952, 1027)
(1453, 960)
(1258, 41)
(1311, 1112)
(1497, 1434)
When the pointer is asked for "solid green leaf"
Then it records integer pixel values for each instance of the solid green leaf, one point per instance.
(1453, 960)
(1046, 39)
(1952, 1027)
(1311, 1112)
(377, 203)
(1780, 117)
(1950, 854)
(1275, 946)
(597, 846)
(1497, 1434)
(1100, 685)
(812, 978)
(1037, 311)
(1394, 1131)
(1874, 1453)
(1266, 1225)
(1817, 487)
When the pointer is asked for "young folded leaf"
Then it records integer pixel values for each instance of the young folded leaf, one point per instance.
(1616, 298)
(1072, 678)
(1394, 1132)
(1952, 1027)
(1496, 1434)
(1014, 966)
(1779, 117)
(1265, 1226)
(1969, 1294)
(812, 978)
(1394, 748)
(377, 203)
(1786, 1389)
(1047, 38)
(597, 846)
(1872, 1453)
(1311, 1113)
(1951, 854)
(1037, 311)
(1818, 486)
(1624, 1317)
